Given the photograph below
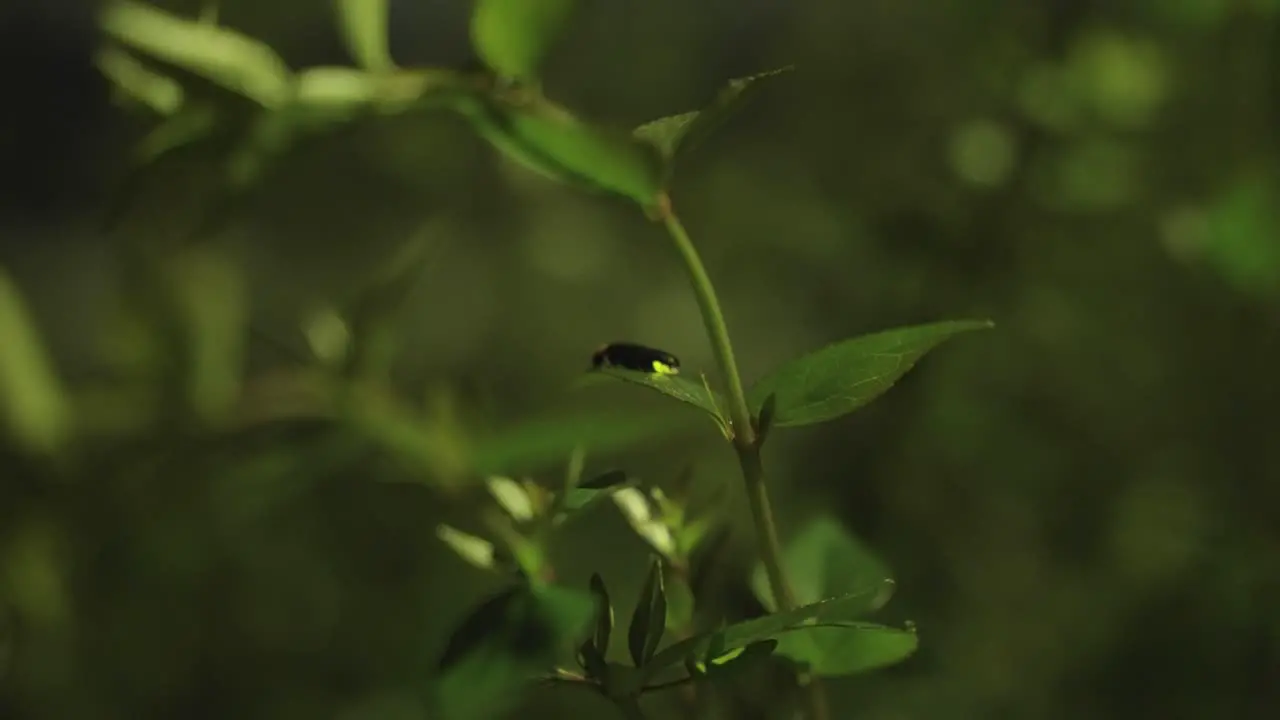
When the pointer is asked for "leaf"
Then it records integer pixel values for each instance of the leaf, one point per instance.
(635, 507)
(673, 386)
(162, 94)
(823, 561)
(649, 619)
(32, 400)
(211, 296)
(475, 550)
(504, 643)
(604, 615)
(840, 609)
(841, 649)
(364, 30)
(735, 662)
(552, 142)
(513, 36)
(682, 133)
(843, 377)
(537, 443)
(226, 58)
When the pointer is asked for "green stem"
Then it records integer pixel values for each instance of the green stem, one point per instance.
(745, 442)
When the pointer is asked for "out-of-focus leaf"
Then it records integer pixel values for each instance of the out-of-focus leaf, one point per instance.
(649, 620)
(212, 301)
(475, 550)
(635, 507)
(364, 30)
(838, 649)
(502, 645)
(764, 418)
(681, 133)
(32, 399)
(537, 443)
(735, 662)
(225, 57)
(823, 560)
(374, 313)
(680, 602)
(513, 36)
(512, 496)
(161, 94)
(605, 481)
(673, 386)
(843, 377)
(549, 140)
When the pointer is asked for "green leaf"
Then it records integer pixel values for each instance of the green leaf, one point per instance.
(537, 443)
(552, 142)
(735, 662)
(649, 620)
(835, 610)
(224, 57)
(513, 36)
(162, 94)
(824, 561)
(843, 377)
(675, 134)
(32, 400)
(473, 549)
(364, 29)
(211, 296)
(673, 386)
(604, 614)
(497, 649)
(839, 649)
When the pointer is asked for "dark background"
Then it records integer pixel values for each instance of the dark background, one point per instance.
(1082, 507)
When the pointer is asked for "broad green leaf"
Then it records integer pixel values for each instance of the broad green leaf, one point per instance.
(838, 649)
(224, 57)
(673, 386)
(537, 443)
(162, 94)
(552, 142)
(502, 645)
(32, 399)
(649, 620)
(823, 560)
(843, 377)
(513, 36)
(675, 134)
(363, 24)
(836, 610)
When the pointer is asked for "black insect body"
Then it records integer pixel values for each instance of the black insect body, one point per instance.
(630, 356)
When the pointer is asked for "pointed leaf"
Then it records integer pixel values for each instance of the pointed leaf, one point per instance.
(824, 560)
(735, 662)
(227, 58)
(604, 615)
(673, 386)
(475, 550)
(364, 29)
(839, 649)
(162, 94)
(843, 377)
(549, 140)
(835, 610)
(649, 619)
(33, 406)
(681, 133)
(513, 36)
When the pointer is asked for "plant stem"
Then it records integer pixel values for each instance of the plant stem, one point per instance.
(745, 442)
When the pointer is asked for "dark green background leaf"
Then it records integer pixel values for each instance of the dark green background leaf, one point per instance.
(843, 377)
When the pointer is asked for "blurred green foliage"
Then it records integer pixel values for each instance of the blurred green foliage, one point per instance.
(225, 501)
